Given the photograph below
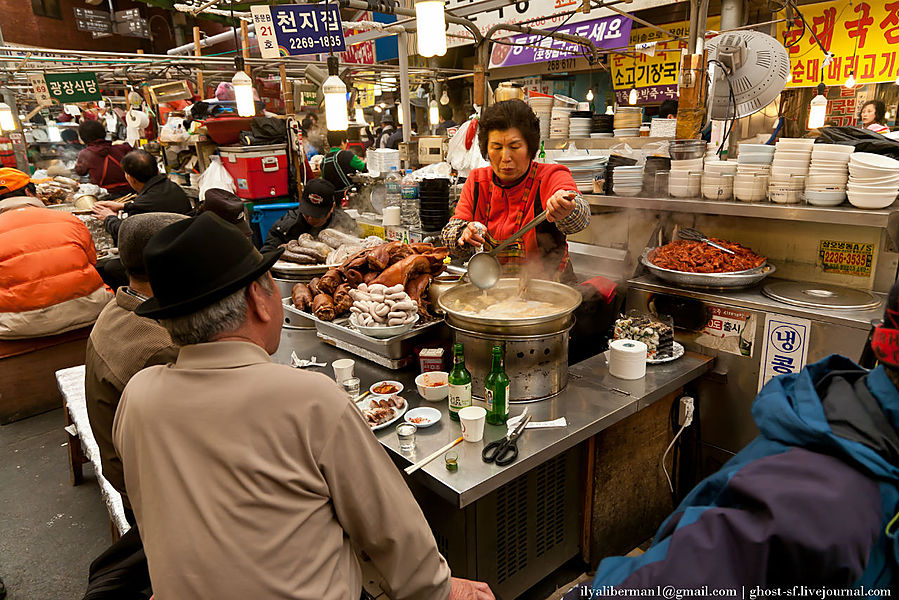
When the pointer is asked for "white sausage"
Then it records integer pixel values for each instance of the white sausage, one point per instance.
(395, 289)
(408, 306)
(362, 287)
(381, 310)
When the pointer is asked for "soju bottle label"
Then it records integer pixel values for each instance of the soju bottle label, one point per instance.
(459, 396)
(507, 399)
(488, 398)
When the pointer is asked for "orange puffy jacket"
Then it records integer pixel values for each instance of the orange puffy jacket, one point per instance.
(48, 283)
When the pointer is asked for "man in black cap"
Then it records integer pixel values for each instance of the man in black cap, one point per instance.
(228, 206)
(249, 478)
(317, 211)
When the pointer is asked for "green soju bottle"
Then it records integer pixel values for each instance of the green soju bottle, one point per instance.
(459, 383)
(497, 390)
(542, 155)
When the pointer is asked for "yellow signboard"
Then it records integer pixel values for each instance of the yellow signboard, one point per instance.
(846, 258)
(366, 94)
(863, 35)
(659, 70)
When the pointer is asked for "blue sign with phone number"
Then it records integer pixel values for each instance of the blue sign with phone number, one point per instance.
(298, 29)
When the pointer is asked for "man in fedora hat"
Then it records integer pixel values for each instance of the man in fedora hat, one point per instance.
(317, 210)
(251, 479)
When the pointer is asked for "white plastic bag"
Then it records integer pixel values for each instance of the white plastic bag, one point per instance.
(215, 176)
(464, 159)
(173, 131)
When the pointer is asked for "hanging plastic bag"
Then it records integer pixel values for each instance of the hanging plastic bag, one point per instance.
(463, 152)
(215, 176)
(173, 131)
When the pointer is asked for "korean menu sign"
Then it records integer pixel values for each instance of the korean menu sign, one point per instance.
(654, 73)
(294, 29)
(863, 35)
(605, 33)
(67, 88)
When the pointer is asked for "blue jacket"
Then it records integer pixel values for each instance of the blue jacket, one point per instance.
(811, 501)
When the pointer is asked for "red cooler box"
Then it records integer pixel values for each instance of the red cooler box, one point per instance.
(259, 172)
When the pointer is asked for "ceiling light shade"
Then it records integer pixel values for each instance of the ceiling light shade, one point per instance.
(433, 113)
(378, 109)
(430, 24)
(817, 109)
(444, 97)
(590, 95)
(243, 94)
(7, 122)
(632, 97)
(334, 89)
(850, 83)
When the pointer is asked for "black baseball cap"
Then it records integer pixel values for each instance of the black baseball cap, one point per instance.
(318, 198)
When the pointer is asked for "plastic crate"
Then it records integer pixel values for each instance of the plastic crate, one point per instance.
(266, 215)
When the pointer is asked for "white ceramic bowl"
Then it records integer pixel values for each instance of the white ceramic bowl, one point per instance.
(814, 179)
(426, 388)
(841, 148)
(754, 158)
(889, 180)
(717, 193)
(841, 157)
(757, 148)
(750, 180)
(399, 387)
(872, 189)
(795, 143)
(684, 190)
(825, 198)
(626, 190)
(790, 164)
(686, 165)
(871, 201)
(749, 193)
(866, 172)
(879, 161)
(783, 195)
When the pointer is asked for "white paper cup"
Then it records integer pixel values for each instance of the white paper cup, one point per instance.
(343, 369)
(390, 216)
(473, 419)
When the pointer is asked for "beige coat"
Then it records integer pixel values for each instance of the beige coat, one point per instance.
(252, 480)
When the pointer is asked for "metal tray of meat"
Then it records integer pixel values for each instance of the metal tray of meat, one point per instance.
(393, 348)
(737, 279)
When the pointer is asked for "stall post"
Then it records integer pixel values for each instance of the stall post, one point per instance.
(245, 46)
(403, 41)
(200, 89)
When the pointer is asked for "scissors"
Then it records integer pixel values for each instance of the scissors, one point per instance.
(505, 451)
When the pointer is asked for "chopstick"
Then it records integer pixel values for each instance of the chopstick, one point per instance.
(411, 469)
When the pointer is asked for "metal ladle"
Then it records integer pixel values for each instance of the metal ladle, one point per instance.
(484, 269)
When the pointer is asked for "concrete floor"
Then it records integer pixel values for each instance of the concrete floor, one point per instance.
(50, 531)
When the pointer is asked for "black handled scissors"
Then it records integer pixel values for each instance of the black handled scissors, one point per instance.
(505, 451)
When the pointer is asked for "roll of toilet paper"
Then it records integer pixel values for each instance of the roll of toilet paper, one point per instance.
(627, 359)
(391, 216)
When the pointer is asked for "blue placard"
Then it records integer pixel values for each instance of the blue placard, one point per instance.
(295, 29)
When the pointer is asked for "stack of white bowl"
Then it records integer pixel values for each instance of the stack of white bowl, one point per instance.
(579, 127)
(584, 169)
(873, 180)
(828, 175)
(753, 172)
(543, 107)
(628, 181)
(718, 179)
(560, 122)
(685, 178)
(627, 121)
(789, 169)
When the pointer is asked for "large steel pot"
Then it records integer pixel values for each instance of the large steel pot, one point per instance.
(536, 348)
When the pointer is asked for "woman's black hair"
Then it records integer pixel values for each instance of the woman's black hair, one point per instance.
(506, 115)
(90, 131)
(30, 187)
(880, 111)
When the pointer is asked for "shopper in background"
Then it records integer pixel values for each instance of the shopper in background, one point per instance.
(387, 129)
(101, 159)
(668, 109)
(340, 163)
(155, 193)
(498, 200)
(237, 498)
(873, 116)
(393, 142)
(47, 257)
(812, 500)
(317, 210)
(446, 119)
(229, 207)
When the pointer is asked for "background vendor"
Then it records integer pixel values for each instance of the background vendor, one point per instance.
(101, 159)
(340, 162)
(317, 211)
(873, 116)
(513, 190)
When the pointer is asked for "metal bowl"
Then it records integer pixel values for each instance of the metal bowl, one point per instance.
(737, 279)
(564, 297)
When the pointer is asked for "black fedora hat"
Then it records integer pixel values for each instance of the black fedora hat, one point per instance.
(196, 262)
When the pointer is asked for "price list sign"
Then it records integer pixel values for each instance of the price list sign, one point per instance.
(295, 29)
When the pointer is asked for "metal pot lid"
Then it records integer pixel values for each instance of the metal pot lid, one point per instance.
(820, 295)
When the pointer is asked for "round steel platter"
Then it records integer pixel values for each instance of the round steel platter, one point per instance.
(820, 295)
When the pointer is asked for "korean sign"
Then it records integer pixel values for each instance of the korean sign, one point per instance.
(655, 76)
(729, 330)
(607, 32)
(786, 346)
(846, 258)
(863, 35)
(359, 54)
(39, 85)
(73, 87)
(543, 14)
(294, 29)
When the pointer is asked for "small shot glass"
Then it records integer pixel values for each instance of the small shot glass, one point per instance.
(351, 386)
(452, 461)
(405, 435)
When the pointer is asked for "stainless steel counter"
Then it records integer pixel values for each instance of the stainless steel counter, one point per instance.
(588, 407)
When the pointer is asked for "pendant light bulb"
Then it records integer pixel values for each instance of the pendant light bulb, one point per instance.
(7, 122)
(243, 94)
(378, 108)
(399, 114)
(818, 109)
(430, 24)
(632, 97)
(590, 95)
(433, 113)
(850, 82)
(444, 97)
(334, 89)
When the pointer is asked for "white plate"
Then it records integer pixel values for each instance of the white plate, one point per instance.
(366, 403)
(676, 354)
(283, 266)
(396, 384)
(424, 412)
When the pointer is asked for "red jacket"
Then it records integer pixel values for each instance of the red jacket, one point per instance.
(103, 161)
